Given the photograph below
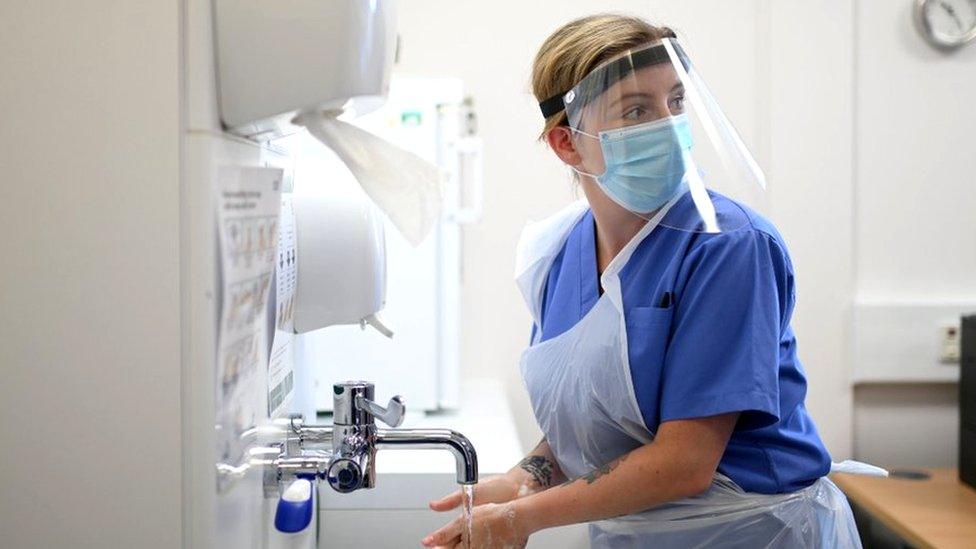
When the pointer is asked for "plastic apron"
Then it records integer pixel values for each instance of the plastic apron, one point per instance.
(583, 399)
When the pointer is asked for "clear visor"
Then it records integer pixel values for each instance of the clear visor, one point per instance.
(654, 138)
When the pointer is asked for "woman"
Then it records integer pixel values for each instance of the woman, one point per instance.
(663, 368)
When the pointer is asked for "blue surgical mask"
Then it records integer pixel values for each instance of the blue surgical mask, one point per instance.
(646, 163)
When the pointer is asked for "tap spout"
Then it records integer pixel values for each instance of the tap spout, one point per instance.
(465, 457)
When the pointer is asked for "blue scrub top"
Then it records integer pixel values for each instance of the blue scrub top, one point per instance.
(723, 344)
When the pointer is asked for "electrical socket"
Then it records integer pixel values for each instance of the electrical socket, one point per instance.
(949, 344)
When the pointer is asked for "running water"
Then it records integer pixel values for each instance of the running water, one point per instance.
(467, 504)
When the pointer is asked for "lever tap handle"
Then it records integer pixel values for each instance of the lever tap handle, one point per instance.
(392, 415)
(295, 421)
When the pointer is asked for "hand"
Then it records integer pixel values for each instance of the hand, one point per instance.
(498, 489)
(493, 526)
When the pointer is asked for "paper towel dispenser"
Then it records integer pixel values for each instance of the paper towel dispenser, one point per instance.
(341, 262)
(275, 59)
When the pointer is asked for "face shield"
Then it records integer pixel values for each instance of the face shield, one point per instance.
(650, 133)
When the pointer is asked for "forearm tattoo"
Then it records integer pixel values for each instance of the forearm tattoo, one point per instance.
(540, 467)
(593, 475)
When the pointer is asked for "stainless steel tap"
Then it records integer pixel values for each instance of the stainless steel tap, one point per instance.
(344, 453)
(356, 439)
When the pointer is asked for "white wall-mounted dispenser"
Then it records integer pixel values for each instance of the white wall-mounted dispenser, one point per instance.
(341, 262)
(275, 59)
(292, 63)
(306, 63)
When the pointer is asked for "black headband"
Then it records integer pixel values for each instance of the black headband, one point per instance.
(552, 105)
(614, 71)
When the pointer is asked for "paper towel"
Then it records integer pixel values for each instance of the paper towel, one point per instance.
(406, 187)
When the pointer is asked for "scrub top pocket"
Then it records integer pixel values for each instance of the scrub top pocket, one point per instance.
(648, 334)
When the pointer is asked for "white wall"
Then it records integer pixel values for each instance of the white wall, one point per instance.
(915, 203)
(789, 99)
(916, 165)
(89, 286)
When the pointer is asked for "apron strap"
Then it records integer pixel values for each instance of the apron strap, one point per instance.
(537, 248)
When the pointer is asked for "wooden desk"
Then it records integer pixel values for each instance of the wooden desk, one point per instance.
(939, 512)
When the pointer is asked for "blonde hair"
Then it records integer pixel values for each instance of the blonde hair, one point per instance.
(581, 45)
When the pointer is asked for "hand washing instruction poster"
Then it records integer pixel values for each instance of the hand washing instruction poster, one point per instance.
(248, 202)
(281, 377)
